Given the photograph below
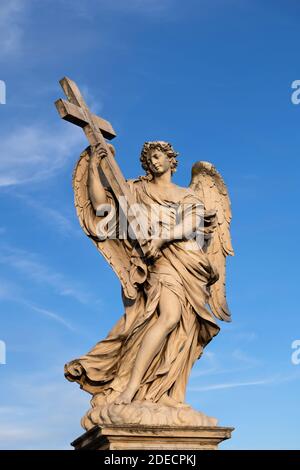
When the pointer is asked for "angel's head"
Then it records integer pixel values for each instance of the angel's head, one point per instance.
(158, 157)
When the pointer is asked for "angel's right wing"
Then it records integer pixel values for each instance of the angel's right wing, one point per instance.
(112, 249)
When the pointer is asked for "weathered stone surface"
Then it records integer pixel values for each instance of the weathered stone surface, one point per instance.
(130, 437)
(144, 413)
(171, 262)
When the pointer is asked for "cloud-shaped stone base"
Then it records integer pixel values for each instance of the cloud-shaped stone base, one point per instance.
(146, 413)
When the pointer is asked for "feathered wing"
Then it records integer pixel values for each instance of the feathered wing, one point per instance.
(113, 250)
(209, 185)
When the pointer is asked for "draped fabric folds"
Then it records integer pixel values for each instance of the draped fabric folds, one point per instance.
(184, 271)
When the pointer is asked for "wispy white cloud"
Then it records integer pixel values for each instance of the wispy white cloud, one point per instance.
(12, 292)
(246, 336)
(50, 216)
(11, 434)
(240, 332)
(36, 427)
(246, 359)
(11, 409)
(236, 361)
(8, 289)
(12, 15)
(221, 386)
(55, 218)
(273, 380)
(93, 103)
(208, 365)
(29, 264)
(34, 153)
(54, 316)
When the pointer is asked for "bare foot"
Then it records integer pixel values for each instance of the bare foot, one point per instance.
(169, 401)
(124, 398)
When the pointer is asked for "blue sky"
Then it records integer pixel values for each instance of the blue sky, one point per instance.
(214, 78)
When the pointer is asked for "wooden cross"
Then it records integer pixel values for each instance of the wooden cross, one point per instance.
(96, 130)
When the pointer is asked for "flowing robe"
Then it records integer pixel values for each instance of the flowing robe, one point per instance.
(184, 270)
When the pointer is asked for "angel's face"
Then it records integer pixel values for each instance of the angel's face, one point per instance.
(159, 162)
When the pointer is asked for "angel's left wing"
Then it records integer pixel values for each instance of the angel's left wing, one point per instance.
(209, 185)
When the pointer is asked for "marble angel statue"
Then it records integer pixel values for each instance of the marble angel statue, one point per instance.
(171, 296)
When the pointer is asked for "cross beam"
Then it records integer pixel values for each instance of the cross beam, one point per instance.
(96, 130)
(72, 113)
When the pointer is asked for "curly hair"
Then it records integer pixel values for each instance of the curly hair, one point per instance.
(164, 147)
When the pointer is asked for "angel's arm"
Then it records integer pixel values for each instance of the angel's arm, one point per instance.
(96, 190)
(190, 225)
(185, 229)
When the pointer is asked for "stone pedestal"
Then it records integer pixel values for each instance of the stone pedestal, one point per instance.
(136, 437)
